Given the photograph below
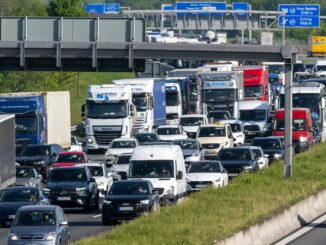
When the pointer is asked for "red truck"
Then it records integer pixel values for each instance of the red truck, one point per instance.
(256, 82)
(302, 130)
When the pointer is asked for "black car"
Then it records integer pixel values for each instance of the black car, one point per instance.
(12, 198)
(238, 159)
(72, 187)
(146, 137)
(39, 156)
(128, 199)
(271, 146)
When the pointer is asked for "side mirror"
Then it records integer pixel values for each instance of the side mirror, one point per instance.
(266, 155)
(39, 176)
(92, 180)
(63, 223)
(83, 109)
(179, 175)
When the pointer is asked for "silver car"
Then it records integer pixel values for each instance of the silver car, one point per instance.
(27, 176)
(41, 225)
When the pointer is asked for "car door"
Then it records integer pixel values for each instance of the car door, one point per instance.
(230, 136)
(92, 185)
(63, 229)
(260, 158)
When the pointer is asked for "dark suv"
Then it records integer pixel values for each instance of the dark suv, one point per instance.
(39, 156)
(72, 187)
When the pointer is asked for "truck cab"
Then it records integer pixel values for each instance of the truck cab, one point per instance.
(222, 91)
(150, 112)
(173, 102)
(108, 114)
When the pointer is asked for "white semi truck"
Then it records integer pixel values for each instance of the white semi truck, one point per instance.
(108, 114)
(173, 100)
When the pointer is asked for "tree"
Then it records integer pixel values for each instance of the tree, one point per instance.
(73, 8)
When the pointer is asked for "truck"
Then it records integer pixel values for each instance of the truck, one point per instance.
(310, 95)
(316, 46)
(222, 91)
(7, 151)
(41, 117)
(173, 100)
(108, 114)
(256, 84)
(148, 95)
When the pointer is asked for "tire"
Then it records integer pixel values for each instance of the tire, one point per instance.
(105, 222)
(96, 206)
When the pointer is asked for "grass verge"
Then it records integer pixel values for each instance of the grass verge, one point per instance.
(214, 214)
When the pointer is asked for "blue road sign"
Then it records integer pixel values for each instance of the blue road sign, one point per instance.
(300, 15)
(168, 7)
(240, 6)
(99, 8)
(201, 6)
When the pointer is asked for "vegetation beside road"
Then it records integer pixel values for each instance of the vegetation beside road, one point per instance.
(214, 214)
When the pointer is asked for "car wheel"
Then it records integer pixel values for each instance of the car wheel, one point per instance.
(105, 222)
(96, 206)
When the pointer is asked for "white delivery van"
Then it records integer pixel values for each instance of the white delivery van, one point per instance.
(164, 167)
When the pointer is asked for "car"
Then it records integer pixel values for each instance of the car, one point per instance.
(12, 198)
(27, 176)
(201, 174)
(272, 147)
(213, 138)
(121, 165)
(68, 159)
(218, 115)
(237, 131)
(191, 123)
(171, 132)
(238, 159)
(101, 175)
(76, 145)
(35, 224)
(129, 199)
(261, 157)
(39, 156)
(119, 146)
(72, 187)
(189, 147)
(146, 137)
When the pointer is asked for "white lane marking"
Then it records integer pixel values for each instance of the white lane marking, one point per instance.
(98, 215)
(302, 231)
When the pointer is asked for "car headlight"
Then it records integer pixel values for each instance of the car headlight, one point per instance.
(13, 237)
(30, 183)
(100, 183)
(50, 236)
(276, 155)
(145, 202)
(89, 140)
(303, 139)
(247, 168)
(81, 190)
(46, 191)
(217, 180)
(107, 202)
(170, 191)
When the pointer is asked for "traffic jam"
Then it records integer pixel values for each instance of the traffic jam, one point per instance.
(160, 140)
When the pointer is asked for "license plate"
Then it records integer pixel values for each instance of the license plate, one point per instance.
(63, 198)
(126, 208)
(200, 186)
(31, 244)
(11, 216)
(232, 175)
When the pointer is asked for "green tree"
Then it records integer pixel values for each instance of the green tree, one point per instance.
(71, 8)
(26, 8)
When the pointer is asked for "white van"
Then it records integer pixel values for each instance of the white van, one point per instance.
(164, 167)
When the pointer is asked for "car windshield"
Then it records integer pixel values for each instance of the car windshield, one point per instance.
(268, 143)
(172, 98)
(140, 101)
(187, 145)
(152, 169)
(234, 154)
(70, 158)
(36, 151)
(297, 124)
(129, 188)
(106, 110)
(219, 115)
(146, 138)
(253, 91)
(257, 152)
(66, 174)
(320, 68)
(26, 125)
(123, 144)
(211, 132)
(35, 218)
(123, 159)
(24, 173)
(168, 131)
(252, 115)
(96, 171)
(219, 95)
(191, 121)
(277, 69)
(18, 195)
(202, 167)
(235, 127)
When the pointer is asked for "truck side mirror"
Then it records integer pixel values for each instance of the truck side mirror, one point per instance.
(83, 108)
(179, 175)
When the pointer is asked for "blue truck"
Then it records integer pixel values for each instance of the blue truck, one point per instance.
(41, 117)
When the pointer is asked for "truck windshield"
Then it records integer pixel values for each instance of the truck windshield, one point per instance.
(253, 115)
(152, 169)
(218, 95)
(321, 68)
(106, 110)
(219, 115)
(297, 124)
(277, 69)
(211, 132)
(140, 101)
(253, 91)
(191, 121)
(310, 101)
(193, 91)
(26, 125)
(172, 98)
